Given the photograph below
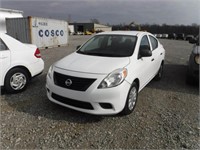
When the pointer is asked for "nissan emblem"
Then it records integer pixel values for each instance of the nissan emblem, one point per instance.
(68, 82)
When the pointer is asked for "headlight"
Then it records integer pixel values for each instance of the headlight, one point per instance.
(50, 71)
(197, 59)
(114, 79)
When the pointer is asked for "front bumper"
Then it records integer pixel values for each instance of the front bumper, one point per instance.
(93, 100)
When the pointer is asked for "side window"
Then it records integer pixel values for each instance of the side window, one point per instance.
(154, 42)
(3, 45)
(145, 42)
(144, 45)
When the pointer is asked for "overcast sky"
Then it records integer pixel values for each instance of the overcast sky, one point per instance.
(112, 11)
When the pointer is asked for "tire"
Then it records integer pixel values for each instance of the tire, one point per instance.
(131, 100)
(160, 73)
(16, 80)
(189, 78)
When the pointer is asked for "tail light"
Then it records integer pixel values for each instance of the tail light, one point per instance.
(37, 53)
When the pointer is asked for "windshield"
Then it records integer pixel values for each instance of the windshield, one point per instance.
(109, 46)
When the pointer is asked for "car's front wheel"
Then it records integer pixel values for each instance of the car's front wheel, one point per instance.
(16, 80)
(131, 99)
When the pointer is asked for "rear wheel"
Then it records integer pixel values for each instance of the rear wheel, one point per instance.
(131, 100)
(16, 80)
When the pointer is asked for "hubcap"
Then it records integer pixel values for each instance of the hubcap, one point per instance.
(132, 98)
(18, 81)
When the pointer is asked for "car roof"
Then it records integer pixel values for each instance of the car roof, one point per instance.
(134, 33)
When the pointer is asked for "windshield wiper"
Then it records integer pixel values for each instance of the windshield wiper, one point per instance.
(100, 54)
(80, 52)
(95, 54)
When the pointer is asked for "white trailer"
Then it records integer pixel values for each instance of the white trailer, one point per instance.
(8, 13)
(99, 27)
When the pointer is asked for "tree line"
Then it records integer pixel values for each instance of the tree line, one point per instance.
(161, 29)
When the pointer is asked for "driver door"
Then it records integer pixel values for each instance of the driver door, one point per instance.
(145, 64)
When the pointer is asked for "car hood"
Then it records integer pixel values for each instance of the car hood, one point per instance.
(91, 64)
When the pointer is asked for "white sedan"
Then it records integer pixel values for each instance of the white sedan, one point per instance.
(19, 63)
(106, 73)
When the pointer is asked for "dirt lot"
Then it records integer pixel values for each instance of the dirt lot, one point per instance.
(166, 115)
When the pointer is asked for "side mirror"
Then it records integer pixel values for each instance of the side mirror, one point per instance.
(145, 51)
(78, 47)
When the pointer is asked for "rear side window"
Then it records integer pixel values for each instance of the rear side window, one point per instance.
(154, 42)
(3, 45)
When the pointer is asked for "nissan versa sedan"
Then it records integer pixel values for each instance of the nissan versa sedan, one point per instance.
(19, 63)
(106, 73)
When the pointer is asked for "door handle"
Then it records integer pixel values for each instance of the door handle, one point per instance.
(152, 59)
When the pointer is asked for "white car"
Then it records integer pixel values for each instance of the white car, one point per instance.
(19, 63)
(106, 73)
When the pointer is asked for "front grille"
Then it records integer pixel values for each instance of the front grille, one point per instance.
(72, 102)
(78, 84)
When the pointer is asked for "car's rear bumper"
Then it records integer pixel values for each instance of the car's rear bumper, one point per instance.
(36, 68)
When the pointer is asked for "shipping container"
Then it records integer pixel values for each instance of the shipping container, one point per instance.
(43, 32)
(8, 13)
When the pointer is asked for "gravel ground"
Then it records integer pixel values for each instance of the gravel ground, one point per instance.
(166, 115)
